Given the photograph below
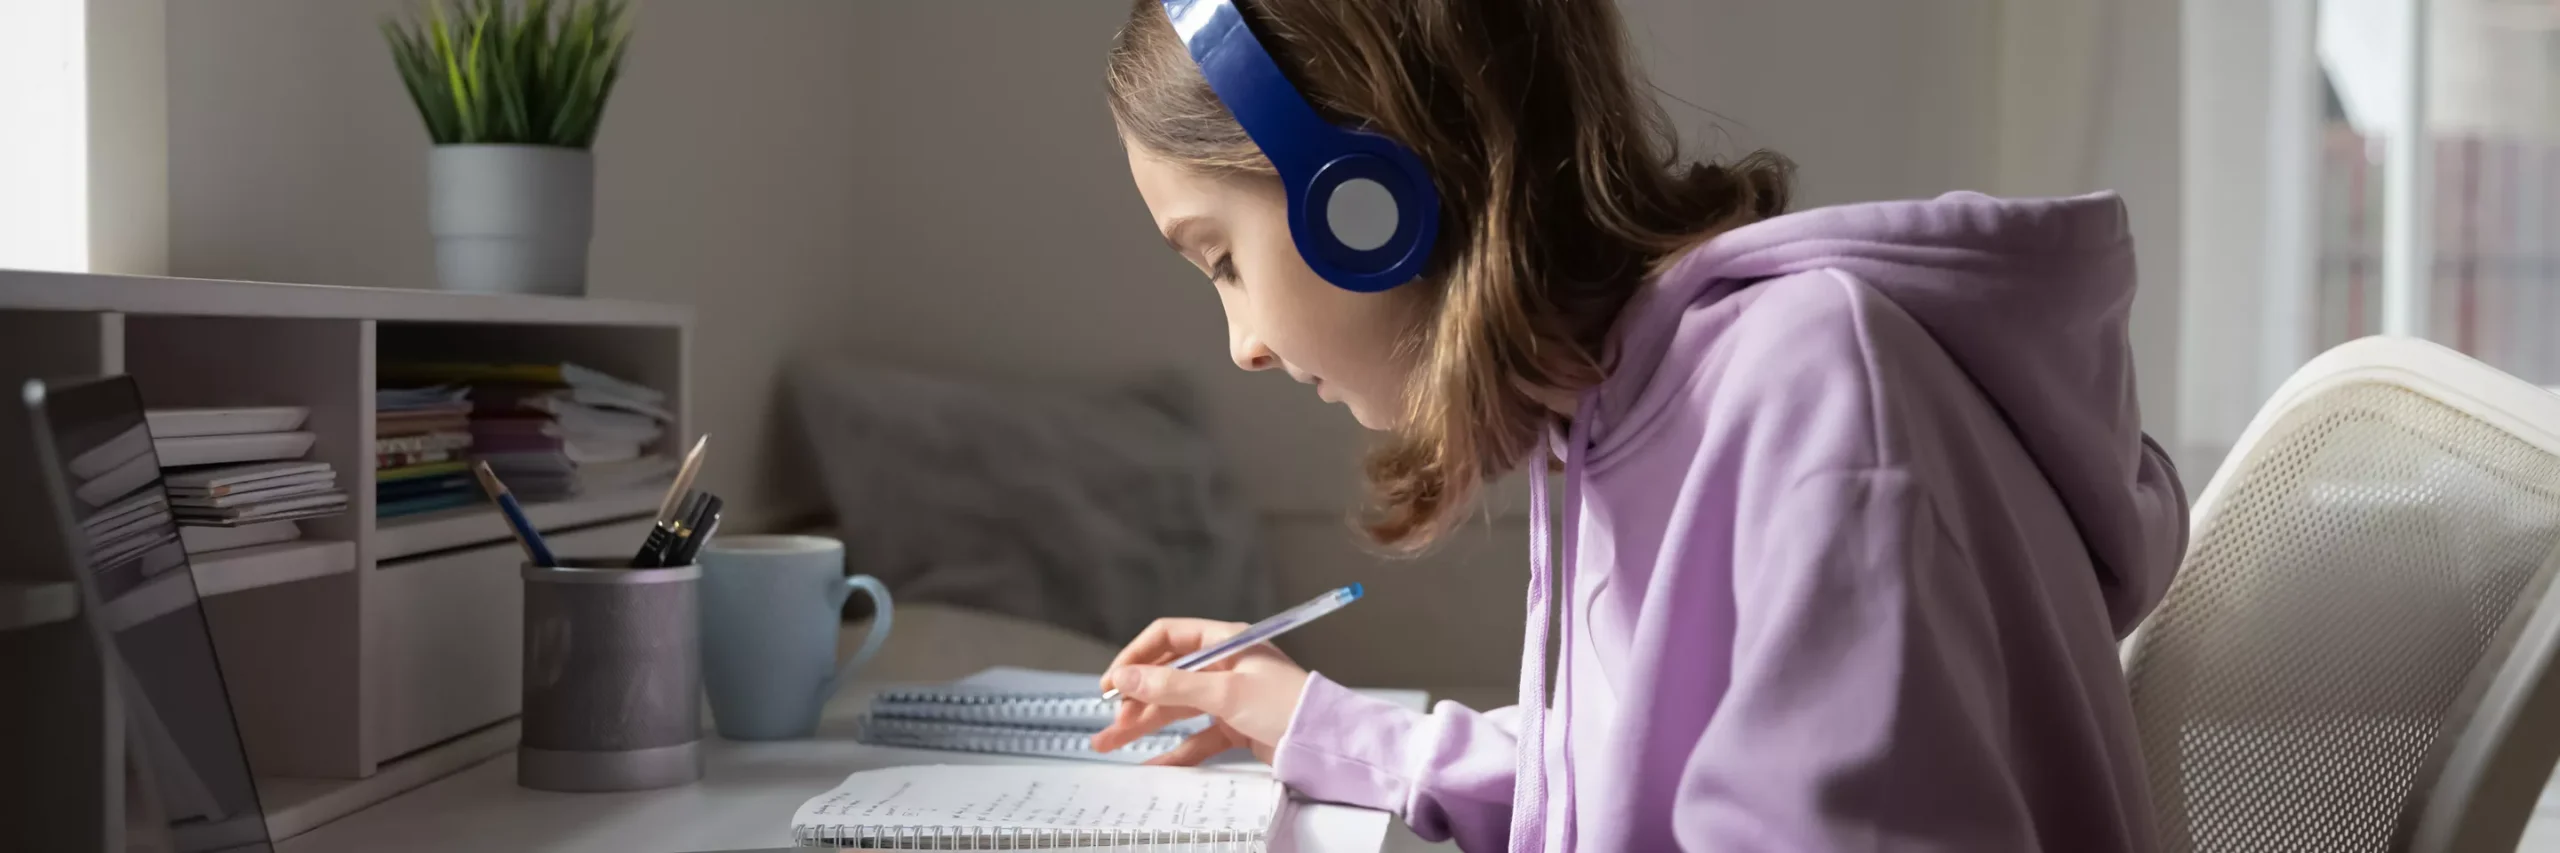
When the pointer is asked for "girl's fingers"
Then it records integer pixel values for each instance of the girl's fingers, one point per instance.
(1171, 638)
(1198, 748)
(1138, 720)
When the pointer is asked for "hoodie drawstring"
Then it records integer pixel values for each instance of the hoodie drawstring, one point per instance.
(1529, 829)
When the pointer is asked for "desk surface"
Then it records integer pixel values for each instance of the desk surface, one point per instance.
(744, 800)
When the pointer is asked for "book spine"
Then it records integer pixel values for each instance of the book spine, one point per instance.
(881, 836)
(406, 458)
(452, 439)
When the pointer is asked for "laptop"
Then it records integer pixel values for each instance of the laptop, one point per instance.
(130, 722)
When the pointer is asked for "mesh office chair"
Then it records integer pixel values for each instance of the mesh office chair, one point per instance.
(2356, 654)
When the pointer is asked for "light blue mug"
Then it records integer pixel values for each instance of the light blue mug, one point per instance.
(771, 609)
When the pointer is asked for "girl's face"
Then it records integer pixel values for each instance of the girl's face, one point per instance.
(1280, 314)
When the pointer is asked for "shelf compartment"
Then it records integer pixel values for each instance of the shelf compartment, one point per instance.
(472, 526)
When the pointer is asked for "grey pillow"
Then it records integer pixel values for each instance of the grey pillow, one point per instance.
(1097, 510)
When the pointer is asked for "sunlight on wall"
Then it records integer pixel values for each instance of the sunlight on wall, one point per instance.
(44, 163)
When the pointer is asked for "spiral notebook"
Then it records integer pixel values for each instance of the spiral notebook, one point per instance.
(1048, 807)
(1009, 711)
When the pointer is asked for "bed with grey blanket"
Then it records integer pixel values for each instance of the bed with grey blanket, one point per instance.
(1094, 509)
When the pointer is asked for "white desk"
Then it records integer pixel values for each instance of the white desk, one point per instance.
(744, 800)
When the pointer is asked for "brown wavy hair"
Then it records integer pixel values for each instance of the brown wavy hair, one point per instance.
(1561, 192)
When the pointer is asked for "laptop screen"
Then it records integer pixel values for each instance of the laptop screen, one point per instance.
(179, 726)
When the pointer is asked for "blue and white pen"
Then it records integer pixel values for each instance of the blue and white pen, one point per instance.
(1263, 631)
(534, 551)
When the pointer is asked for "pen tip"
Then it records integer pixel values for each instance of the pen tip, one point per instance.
(1352, 590)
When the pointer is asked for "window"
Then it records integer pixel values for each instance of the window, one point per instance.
(44, 169)
(2440, 178)
(2361, 167)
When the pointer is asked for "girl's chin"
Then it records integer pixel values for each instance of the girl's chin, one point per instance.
(1368, 420)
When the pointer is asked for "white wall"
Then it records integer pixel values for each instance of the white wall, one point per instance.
(1875, 100)
(936, 182)
(2089, 95)
(128, 137)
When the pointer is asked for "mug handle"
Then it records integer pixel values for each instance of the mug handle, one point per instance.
(880, 609)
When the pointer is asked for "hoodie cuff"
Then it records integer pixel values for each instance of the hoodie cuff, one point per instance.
(1341, 747)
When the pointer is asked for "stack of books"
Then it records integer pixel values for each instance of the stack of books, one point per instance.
(554, 432)
(236, 495)
(242, 467)
(422, 445)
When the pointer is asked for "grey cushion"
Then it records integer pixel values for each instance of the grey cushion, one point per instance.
(1095, 509)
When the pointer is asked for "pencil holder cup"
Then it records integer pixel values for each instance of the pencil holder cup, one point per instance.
(612, 677)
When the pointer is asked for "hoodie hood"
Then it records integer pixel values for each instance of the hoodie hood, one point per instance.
(2029, 297)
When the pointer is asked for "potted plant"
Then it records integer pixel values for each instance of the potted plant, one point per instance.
(511, 96)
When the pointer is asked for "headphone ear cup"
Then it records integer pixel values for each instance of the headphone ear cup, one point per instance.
(1361, 214)
(1365, 220)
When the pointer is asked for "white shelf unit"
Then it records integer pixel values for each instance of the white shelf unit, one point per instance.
(365, 642)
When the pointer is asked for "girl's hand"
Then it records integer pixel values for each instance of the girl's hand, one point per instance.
(1251, 696)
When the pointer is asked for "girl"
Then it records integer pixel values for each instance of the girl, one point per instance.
(1856, 503)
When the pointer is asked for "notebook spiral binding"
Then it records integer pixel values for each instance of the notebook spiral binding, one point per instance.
(865, 836)
(998, 707)
(1031, 711)
(965, 737)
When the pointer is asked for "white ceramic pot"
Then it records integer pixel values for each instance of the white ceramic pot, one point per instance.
(512, 218)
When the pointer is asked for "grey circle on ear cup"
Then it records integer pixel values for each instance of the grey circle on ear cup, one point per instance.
(1362, 213)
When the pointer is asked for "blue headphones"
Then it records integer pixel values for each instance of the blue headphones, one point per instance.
(1361, 207)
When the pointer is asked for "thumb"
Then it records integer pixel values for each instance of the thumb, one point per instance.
(1164, 685)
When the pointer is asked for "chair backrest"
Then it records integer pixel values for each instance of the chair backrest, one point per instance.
(2354, 655)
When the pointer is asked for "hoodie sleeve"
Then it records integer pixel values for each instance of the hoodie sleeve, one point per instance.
(1864, 690)
(1447, 772)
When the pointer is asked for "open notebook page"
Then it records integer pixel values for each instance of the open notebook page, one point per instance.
(1059, 797)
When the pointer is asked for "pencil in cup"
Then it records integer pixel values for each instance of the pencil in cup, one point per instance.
(672, 510)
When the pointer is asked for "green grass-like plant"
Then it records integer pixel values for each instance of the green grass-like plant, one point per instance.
(485, 73)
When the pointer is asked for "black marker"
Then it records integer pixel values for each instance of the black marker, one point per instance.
(696, 528)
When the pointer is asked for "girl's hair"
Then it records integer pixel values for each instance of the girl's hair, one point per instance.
(1560, 187)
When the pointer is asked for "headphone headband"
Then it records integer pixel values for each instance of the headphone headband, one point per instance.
(1362, 209)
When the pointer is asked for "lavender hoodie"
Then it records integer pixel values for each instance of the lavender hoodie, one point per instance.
(1852, 529)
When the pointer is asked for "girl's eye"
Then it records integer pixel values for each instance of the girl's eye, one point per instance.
(1223, 270)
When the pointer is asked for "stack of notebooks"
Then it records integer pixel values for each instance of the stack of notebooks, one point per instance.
(1011, 711)
(558, 431)
(422, 441)
(242, 467)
